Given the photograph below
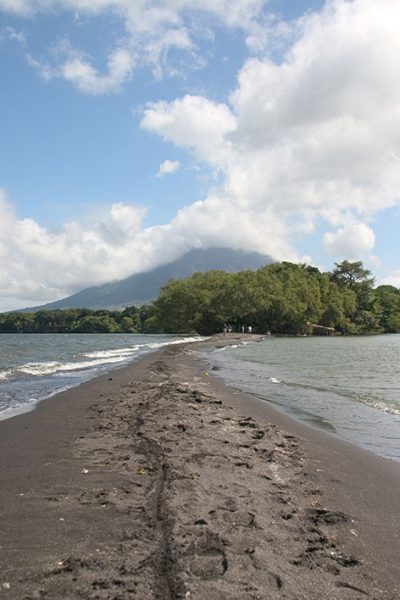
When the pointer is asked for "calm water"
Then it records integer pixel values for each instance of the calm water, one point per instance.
(36, 366)
(348, 386)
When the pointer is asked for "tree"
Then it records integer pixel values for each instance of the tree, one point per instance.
(128, 325)
(16, 322)
(97, 324)
(353, 276)
(281, 297)
(291, 297)
(387, 308)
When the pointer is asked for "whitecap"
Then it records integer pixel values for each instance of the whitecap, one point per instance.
(47, 368)
(188, 340)
(5, 374)
(112, 353)
(98, 358)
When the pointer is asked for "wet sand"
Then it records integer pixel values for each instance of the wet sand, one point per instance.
(158, 482)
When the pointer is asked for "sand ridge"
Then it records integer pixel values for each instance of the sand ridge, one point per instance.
(180, 496)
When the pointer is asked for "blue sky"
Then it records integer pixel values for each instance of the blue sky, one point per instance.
(133, 131)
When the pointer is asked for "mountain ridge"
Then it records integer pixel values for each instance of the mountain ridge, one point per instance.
(144, 287)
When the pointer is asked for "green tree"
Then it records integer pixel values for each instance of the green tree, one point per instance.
(128, 325)
(387, 308)
(353, 276)
(97, 324)
(17, 322)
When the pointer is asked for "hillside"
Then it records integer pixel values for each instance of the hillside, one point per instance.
(144, 287)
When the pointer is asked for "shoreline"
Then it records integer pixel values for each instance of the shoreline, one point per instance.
(89, 373)
(354, 479)
(158, 481)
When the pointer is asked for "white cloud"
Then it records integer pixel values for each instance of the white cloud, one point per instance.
(313, 138)
(353, 241)
(150, 30)
(168, 167)
(193, 122)
(393, 279)
(39, 265)
(23, 7)
(220, 221)
(75, 67)
(79, 71)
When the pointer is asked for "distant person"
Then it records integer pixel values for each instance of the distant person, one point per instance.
(224, 329)
(249, 329)
(243, 328)
(229, 328)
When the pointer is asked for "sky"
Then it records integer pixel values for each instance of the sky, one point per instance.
(134, 130)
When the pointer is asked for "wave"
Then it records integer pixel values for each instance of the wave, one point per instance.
(377, 403)
(140, 348)
(235, 346)
(112, 353)
(48, 368)
(5, 374)
(231, 346)
(96, 359)
(188, 340)
(367, 400)
(12, 411)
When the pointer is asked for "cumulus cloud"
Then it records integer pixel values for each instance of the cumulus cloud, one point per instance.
(168, 167)
(311, 138)
(193, 122)
(39, 265)
(353, 241)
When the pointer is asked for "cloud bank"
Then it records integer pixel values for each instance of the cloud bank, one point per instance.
(311, 139)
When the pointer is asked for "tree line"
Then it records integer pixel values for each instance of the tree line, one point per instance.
(72, 320)
(284, 298)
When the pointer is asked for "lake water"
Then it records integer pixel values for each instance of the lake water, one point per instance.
(348, 386)
(36, 366)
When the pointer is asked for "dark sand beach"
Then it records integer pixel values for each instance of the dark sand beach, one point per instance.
(159, 482)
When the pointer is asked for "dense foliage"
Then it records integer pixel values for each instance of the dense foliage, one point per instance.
(282, 298)
(72, 320)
